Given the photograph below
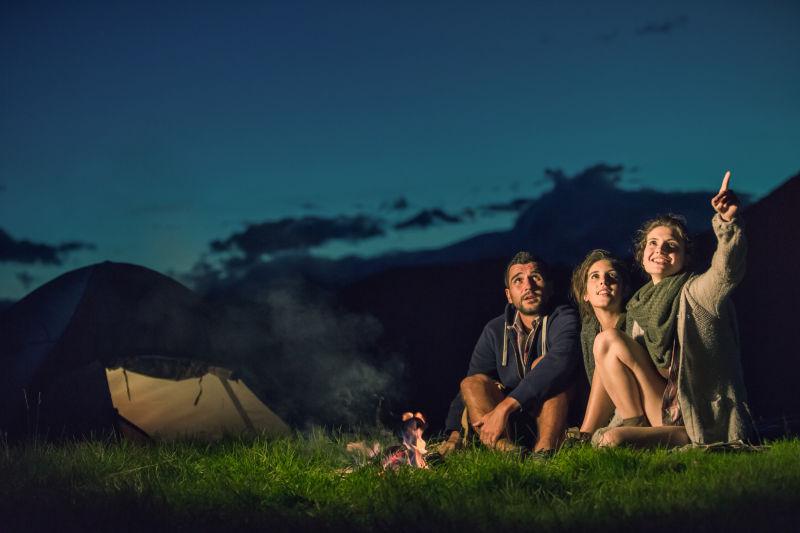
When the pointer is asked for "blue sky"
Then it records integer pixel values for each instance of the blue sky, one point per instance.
(150, 130)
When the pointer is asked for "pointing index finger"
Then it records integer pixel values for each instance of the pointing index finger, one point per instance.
(725, 181)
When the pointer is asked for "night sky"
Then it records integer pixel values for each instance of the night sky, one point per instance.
(143, 132)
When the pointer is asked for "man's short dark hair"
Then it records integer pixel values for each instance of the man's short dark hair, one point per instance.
(523, 258)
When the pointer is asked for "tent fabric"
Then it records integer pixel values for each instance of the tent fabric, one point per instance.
(32, 328)
(198, 407)
(113, 316)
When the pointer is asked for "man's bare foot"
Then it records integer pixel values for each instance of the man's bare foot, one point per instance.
(505, 445)
(450, 445)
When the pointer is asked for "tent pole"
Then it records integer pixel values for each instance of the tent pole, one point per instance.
(236, 403)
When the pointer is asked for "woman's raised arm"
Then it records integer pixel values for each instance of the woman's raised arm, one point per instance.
(728, 263)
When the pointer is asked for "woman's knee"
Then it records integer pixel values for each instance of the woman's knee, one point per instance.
(617, 343)
(604, 341)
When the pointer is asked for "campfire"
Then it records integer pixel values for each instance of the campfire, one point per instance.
(413, 451)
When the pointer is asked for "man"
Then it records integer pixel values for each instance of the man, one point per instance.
(525, 360)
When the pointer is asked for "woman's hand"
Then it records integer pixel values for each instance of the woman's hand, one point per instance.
(726, 203)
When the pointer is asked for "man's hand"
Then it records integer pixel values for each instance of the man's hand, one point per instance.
(726, 203)
(492, 425)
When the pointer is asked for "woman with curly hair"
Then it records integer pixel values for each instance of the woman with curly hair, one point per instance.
(674, 375)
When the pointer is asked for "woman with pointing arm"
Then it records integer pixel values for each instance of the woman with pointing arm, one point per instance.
(674, 374)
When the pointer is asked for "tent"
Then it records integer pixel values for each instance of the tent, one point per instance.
(120, 347)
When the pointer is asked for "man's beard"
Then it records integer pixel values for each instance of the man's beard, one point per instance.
(531, 309)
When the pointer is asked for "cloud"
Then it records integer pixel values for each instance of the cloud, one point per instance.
(25, 251)
(579, 212)
(518, 204)
(298, 234)
(427, 218)
(599, 175)
(663, 27)
(398, 204)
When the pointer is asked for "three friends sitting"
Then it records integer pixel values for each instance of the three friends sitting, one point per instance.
(664, 369)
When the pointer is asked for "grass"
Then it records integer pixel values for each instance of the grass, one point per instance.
(297, 483)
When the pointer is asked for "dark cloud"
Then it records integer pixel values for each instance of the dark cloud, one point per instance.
(579, 212)
(600, 175)
(427, 218)
(25, 279)
(589, 210)
(25, 251)
(663, 27)
(398, 204)
(298, 234)
(515, 205)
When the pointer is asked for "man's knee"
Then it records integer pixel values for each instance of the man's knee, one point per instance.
(471, 384)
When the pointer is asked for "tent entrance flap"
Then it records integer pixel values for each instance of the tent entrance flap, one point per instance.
(171, 408)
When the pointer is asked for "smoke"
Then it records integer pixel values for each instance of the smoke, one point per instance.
(312, 361)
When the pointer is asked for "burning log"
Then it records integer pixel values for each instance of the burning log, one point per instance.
(413, 450)
(364, 451)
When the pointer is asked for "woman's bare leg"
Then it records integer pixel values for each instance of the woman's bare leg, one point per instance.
(669, 436)
(629, 376)
(600, 408)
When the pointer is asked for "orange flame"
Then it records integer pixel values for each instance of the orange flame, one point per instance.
(413, 426)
